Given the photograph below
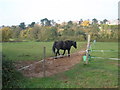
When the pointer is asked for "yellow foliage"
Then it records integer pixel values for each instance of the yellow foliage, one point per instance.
(23, 33)
(5, 29)
(85, 23)
(59, 30)
(6, 33)
(30, 29)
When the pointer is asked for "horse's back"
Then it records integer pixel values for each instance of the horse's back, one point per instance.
(54, 44)
(58, 44)
(68, 43)
(62, 44)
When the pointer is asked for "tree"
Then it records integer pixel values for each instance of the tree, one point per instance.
(22, 25)
(46, 22)
(80, 21)
(94, 21)
(16, 32)
(32, 33)
(23, 34)
(85, 23)
(70, 23)
(101, 22)
(104, 21)
(32, 24)
(68, 32)
(79, 32)
(6, 33)
(47, 33)
(53, 23)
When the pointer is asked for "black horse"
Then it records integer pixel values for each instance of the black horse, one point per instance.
(64, 45)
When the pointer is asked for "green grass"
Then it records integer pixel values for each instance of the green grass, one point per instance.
(30, 50)
(95, 75)
(111, 47)
(99, 73)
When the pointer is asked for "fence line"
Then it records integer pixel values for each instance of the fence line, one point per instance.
(29, 65)
(107, 58)
(67, 55)
(63, 56)
(43, 60)
(104, 50)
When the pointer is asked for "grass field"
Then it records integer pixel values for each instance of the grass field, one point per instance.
(99, 73)
(107, 50)
(30, 50)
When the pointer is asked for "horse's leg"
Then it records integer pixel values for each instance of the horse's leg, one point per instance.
(64, 52)
(56, 54)
(68, 52)
(58, 51)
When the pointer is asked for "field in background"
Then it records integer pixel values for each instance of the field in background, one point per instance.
(31, 50)
(105, 49)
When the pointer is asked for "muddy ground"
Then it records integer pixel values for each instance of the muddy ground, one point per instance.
(52, 66)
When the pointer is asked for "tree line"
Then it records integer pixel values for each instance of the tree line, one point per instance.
(49, 30)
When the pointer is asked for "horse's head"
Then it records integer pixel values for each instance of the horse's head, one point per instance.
(74, 44)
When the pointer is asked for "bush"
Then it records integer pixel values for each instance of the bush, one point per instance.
(11, 78)
(74, 38)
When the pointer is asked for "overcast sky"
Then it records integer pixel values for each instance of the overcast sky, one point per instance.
(13, 12)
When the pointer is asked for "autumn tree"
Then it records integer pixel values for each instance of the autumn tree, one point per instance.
(47, 33)
(85, 23)
(16, 32)
(6, 33)
(23, 34)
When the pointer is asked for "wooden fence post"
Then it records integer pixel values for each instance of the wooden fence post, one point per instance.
(44, 55)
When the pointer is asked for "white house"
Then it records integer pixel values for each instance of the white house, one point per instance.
(113, 22)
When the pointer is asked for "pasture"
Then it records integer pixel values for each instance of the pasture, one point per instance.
(30, 50)
(99, 73)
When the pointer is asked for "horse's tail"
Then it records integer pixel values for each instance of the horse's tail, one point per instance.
(53, 48)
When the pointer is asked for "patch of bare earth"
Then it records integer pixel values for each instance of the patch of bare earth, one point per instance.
(52, 66)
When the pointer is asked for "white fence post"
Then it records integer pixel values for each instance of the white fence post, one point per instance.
(87, 52)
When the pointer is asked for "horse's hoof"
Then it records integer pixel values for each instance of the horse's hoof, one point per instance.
(55, 57)
(61, 56)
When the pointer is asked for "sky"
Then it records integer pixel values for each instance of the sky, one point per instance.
(13, 12)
